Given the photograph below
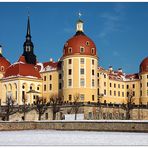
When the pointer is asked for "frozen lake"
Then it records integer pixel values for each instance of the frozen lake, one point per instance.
(53, 137)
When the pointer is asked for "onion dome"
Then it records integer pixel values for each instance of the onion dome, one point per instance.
(4, 63)
(22, 69)
(144, 65)
(79, 44)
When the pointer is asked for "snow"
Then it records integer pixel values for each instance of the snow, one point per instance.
(53, 137)
(71, 117)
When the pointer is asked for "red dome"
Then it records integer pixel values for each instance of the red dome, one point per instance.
(144, 65)
(4, 64)
(21, 68)
(79, 44)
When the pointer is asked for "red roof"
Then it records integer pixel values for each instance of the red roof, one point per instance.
(48, 66)
(21, 68)
(4, 64)
(144, 65)
(78, 41)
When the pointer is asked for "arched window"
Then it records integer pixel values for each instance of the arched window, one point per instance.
(82, 49)
(69, 50)
(93, 50)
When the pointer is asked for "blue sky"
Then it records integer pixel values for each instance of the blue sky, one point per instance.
(119, 30)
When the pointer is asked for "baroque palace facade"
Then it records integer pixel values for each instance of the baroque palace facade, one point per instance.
(76, 74)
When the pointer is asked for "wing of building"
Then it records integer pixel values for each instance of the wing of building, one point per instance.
(77, 75)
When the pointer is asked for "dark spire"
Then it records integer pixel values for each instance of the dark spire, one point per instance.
(28, 46)
(28, 28)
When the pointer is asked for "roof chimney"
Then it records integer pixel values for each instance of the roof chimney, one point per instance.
(119, 69)
(51, 60)
(110, 68)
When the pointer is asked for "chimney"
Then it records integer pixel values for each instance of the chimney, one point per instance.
(120, 70)
(51, 60)
(110, 68)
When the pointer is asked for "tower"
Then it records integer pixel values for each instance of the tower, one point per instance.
(30, 57)
(79, 68)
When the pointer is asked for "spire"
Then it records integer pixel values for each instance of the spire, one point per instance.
(28, 46)
(79, 25)
(28, 35)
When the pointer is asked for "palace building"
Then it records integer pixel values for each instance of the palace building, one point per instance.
(77, 75)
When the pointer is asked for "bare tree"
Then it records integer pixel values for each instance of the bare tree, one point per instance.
(9, 106)
(55, 102)
(76, 104)
(41, 106)
(129, 104)
(24, 100)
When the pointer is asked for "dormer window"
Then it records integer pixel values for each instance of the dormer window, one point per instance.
(93, 50)
(69, 50)
(81, 49)
(2, 68)
(87, 43)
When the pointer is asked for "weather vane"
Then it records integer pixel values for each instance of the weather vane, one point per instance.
(80, 14)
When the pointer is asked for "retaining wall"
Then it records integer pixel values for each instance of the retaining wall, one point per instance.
(124, 126)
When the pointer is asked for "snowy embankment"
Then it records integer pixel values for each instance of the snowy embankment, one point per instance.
(52, 137)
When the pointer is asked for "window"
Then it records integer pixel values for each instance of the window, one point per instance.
(118, 93)
(82, 82)
(104, 91)
(98, 83)
(92, 50)
(104, 83)
(141, 93)
(118, 85)
(82, 97)
(69, 50)
(60, 85)
(133, 85)
(30, 87)
(127, 86)
(133, 93)
(69, 82)
(70, 97)
(98, 91)
(23, 86)
(98, 74)
(93, 83)
(110, 84)
(70, 61)
(147, 84)
(122, 94)
(44, 87)
(93, 72)
(93, 62)
(114, 93)
(104, 75)
(38, 88)
(122, 86)
(114, 85)
(127, 94)
(60, 76)
(50, 77)
(70, 71)
(50, 86)
(2, 68)
(87, 43)
(93, 97)
(82, 71)
(140, 84)
(81, 49)
(44, 78)
(110, 92)
(82, 60)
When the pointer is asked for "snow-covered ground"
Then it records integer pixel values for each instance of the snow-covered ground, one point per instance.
(53, 137)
